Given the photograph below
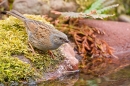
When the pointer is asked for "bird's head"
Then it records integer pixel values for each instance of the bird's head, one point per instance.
(59, 38)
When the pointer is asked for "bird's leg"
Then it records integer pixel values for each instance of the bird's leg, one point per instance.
(32, 49)
(51, 54)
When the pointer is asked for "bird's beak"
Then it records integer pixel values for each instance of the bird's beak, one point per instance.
(67, 41)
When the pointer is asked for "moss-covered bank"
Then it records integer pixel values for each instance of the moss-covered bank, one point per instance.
(14, 43)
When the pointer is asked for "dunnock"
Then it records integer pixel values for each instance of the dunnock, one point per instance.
(40, 34)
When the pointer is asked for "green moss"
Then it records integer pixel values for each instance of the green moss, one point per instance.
(14, 42)
(13, 69)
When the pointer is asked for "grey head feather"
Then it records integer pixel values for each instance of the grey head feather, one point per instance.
(58, 38)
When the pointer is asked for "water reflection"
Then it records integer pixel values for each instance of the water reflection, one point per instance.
(120, 78)
(65, 80)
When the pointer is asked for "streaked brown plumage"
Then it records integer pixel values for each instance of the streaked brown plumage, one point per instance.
(40, 34)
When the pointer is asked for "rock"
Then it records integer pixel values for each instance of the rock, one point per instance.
(117, 35)
(42, 7)
(124, 18)
(68, 66)
(4, 4)
(118, 31)
(28, 6)
(70, 60)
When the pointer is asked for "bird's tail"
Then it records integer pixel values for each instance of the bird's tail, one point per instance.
(16, 14)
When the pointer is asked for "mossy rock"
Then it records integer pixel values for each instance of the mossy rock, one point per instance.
(14, 44)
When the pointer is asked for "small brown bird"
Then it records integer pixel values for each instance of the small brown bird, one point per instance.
(40, 34)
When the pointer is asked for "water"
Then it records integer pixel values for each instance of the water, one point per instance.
(120, 78)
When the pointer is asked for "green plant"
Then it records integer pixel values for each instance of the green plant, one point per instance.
(95, 11)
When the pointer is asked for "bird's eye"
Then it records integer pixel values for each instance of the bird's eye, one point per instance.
(60, 38)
